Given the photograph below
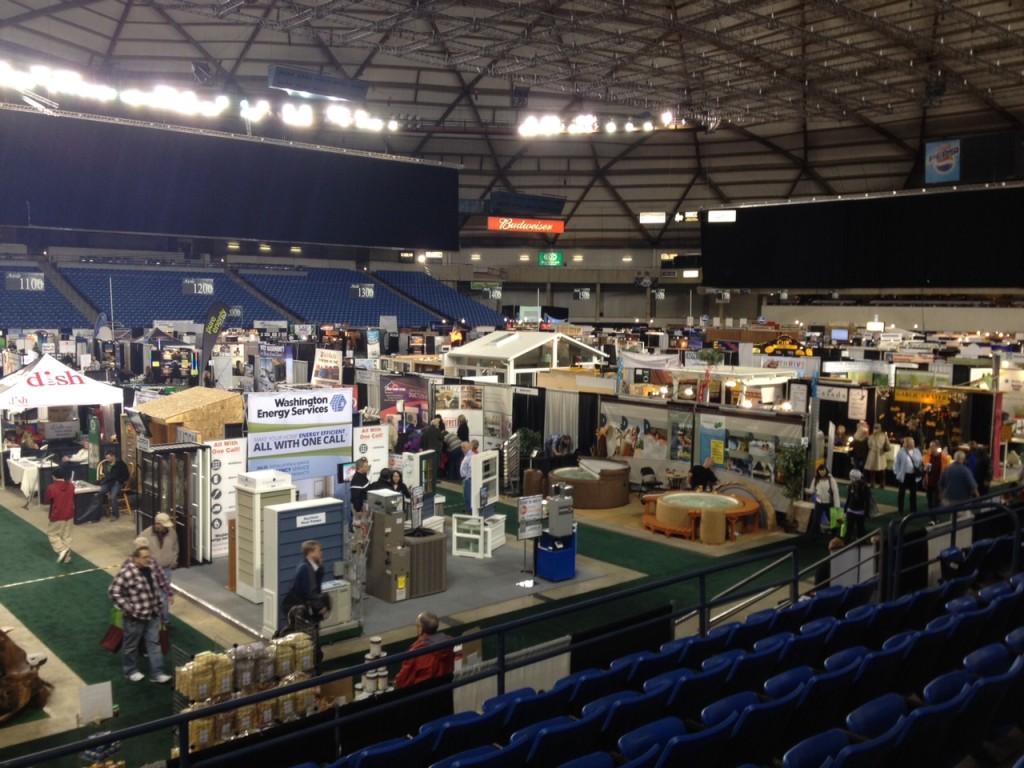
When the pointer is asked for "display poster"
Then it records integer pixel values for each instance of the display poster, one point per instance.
(799, 395)
(1011, 384)
(304, 433)
(635, 431)
(371, 442)
(857, 405)
(912, 377)
(712, 439)
(497, 421)
(373, 344)
(227, 462)
(681, 429)
(531, 517)
(327, 364)
(450, 402)
(274, 366)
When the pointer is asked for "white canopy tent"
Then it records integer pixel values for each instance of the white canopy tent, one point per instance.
(507, 355)
(48, 382)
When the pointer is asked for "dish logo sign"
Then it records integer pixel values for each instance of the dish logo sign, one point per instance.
(47, 379)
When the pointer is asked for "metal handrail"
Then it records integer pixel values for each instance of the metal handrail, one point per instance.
(502, 665)
(991, 502)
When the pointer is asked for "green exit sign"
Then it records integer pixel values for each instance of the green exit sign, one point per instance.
(551, 259)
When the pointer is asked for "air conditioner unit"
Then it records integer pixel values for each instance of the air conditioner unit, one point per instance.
(340, 595)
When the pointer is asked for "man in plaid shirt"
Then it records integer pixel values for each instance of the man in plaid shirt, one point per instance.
(136, 592)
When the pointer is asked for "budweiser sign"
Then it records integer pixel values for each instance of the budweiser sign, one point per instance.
(544, 226)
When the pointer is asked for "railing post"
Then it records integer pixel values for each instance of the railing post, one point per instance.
(703, 601)
(501, 662)
(794, 587)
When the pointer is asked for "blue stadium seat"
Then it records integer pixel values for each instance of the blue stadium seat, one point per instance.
(965, 635)
(656, 733)
(464, 730)
(447, 302)
(757, 735)
(628, 712)
(756, 626)
(527, 709)
(509, 756)
(836, 749)
(647, 760)
(826, 602)
(1015, 640)
(698, 749)
(790, 618)
(593, 760)
(141, 296)
(559, 739)
(919, 663)
(590, 684)
(849, 630)
(886, 620)
(981, 710)
(876, 673)
(858, 594)
(806, 647)
(693, 650)
(924, 606)
(460, 757)
(693, 690)
(412, 752)
(644, 665)
(921, 732)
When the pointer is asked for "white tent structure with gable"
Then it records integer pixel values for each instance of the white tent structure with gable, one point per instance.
(48, 382)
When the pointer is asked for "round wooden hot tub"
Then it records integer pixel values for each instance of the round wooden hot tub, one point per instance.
(712, 517)
(596, 483)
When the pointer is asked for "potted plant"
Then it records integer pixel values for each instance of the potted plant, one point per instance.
(791, 470)
(529, 441)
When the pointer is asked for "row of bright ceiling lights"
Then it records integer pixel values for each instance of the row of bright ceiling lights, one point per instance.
(184, 102)
(265, 248)
(553, 125)
(577, 257)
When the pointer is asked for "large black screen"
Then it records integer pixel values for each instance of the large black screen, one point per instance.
(944, 240)
(83, 174)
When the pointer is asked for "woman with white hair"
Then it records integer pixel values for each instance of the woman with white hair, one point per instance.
(858, 504)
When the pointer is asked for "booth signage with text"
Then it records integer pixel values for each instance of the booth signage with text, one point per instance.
(304, 433)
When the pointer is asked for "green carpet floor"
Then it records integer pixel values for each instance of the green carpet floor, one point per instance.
(67, 608)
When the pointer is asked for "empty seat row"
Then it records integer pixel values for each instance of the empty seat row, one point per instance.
(325, 295)
(795, 684)
(444, 300)
(140, 296)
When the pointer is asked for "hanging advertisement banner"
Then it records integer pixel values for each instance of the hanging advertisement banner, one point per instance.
(227, 462)
(306, 434)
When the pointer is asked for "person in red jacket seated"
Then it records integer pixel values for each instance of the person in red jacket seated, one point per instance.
(429, 665)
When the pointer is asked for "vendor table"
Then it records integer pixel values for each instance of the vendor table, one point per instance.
(25, 472)
(85, 493)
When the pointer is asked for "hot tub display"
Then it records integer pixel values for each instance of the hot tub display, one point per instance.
(712, 517)
(596, 483)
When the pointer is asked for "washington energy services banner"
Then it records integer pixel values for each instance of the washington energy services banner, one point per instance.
(306, 434)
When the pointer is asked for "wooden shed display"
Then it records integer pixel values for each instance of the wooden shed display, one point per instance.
(202, 410)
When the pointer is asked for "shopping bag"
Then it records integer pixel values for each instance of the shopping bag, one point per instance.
(837, 521)
(115, 632)
(165, 640)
